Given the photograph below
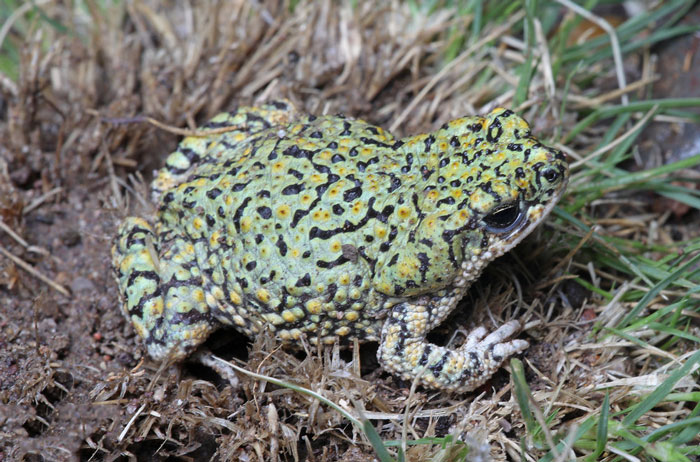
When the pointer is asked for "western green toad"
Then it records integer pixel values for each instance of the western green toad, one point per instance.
(329, 227)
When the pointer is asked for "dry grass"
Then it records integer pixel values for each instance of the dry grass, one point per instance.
(79, 80)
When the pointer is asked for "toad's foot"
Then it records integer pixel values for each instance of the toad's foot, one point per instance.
(404, 350)
(161, 296)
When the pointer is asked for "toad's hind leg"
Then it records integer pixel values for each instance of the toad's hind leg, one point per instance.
(237, 125)
(162, 293)
(404, 350)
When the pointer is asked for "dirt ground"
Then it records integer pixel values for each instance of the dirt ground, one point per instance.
(75, 154)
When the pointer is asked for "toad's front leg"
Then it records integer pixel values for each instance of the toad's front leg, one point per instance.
(404, 350)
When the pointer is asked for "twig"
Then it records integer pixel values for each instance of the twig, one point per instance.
(27, 267)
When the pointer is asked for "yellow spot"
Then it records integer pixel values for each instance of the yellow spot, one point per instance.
(344, 279)
(358, 207)
(336, 246)
(198, 295)
(246, 224)
(463, 215)
(313, 306)
(217, 293)
(380, 231)
(456, 193)
(288, 316)
(263, 295)
(273, 318)
(238, 320)
(320, 288)
(343, 331)
(214, 239)
(316, 178)
(433, 195)
(443, 146)
(278, 167)
(352, 315)
(404, 212)
(355, 294)
(305, 199)
(154, 307)
(284, 335)
(283, 211)
(235, 297)
(295, 252)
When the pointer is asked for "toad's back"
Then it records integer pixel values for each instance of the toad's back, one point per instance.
(287, 224)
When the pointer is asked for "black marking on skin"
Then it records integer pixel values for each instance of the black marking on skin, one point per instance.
(188, 190)
(426, 173)
(395, 183)
(259, 238)
(189, 204)
(304, 281)
(429, 142)
(386, 245)
(169, 197)
(239, 213)
(426, 242)
(281, 245)
(371, 261)
(221, 212)
(393, 260)
(353, 152)
(520, 173)
(486, 187)
(332, 145)
(322, 188)
(373, 130)
(362, 166)
(424, 265)
(210, 220)
(346, 128)
(337, 158)
(317, 134)
(190, 154)
(454, 142)
(517, 147)
(264, 194)
(264, 212)
(338, 209)
(332, 264)
(293, 189)
(250, 266)
(444, 162)
(296, 174)
(306, 254)
(441, 180)
(372, 141)
(436, 369)
(149, 275)
(239, 186)
(357, 282)
(448, 201)
(494, 132)
(398, 290)
(272, 156)
(426, 354)
(409, 161)
(352, 194)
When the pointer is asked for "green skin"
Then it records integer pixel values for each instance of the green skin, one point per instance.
(330, 228)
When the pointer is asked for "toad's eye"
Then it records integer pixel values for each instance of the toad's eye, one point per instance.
(505, 218)
(550, 174)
